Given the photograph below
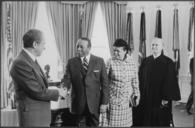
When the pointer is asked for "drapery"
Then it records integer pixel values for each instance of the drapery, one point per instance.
(176, 48)
(115, 17)
(19, 16)
(69, 22)
(87, 18)
(4, 73)
(130, 31)
(142, 45)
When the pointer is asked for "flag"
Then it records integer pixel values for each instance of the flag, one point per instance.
(81, 20)
(9, 54)
(190, 29)
(130, 31)
(158, 28)
(80, 26)
(176, 48)
(142, 45)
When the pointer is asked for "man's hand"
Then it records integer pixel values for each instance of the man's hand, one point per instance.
(53, 88)
(164, 102)
(62, 92)
(103, 108)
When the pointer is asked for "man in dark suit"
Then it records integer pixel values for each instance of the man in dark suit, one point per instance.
(86, 76)
(32, 94)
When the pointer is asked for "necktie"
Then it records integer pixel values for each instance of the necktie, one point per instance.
(85, 64)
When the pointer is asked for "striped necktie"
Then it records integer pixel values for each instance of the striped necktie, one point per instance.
(85, 64)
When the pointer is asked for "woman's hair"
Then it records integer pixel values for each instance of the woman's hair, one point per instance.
(121, 43)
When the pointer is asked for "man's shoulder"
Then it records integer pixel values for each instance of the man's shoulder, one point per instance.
(96, 57)
(167, 59)
(22, 59)
(73, 58)
(19, 59)
(148, 58)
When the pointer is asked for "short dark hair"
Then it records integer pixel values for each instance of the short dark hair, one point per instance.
(86, 39)
(121, 43)
(30, 36)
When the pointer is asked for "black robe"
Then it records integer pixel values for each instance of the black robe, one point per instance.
(158, 81)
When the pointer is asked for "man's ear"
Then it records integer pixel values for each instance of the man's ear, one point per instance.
(34, 44)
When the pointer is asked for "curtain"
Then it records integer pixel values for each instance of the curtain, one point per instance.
(4, 72)
(142, 45)
(19, 16)
(70, 21)
(87, 18)
(176, 48)
(115, 18)
(130, 31)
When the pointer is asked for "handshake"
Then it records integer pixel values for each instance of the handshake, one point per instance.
(63, 92)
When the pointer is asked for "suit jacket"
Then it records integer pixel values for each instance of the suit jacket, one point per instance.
(32, 95)
(90, 87)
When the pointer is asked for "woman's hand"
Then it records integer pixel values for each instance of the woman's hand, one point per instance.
(103, 108)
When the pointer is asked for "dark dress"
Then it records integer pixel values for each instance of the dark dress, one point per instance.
(158, 82)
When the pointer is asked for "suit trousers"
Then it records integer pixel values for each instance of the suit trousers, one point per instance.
(87, 118)
(34, 118)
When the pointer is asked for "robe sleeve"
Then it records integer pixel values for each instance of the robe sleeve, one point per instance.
(171, 89)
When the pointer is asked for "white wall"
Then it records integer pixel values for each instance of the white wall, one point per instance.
(150, 8)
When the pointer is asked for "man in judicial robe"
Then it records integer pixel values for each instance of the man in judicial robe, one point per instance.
(158, 87)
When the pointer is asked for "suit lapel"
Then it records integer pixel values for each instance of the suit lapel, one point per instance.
(91, 64)
(80, 66)
(41, 74)
(36, 68)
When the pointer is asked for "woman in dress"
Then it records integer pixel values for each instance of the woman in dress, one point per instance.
(123, 85)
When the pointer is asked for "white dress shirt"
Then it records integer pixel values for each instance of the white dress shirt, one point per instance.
(87, 57)
(30, 54)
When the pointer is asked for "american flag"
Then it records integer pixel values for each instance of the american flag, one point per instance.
(130, 31)
(142, 45)
(176, 47)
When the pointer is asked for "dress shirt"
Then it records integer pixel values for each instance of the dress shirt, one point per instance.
(87, 57)
(30, 54)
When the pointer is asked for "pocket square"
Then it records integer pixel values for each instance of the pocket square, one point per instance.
(96, 70)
